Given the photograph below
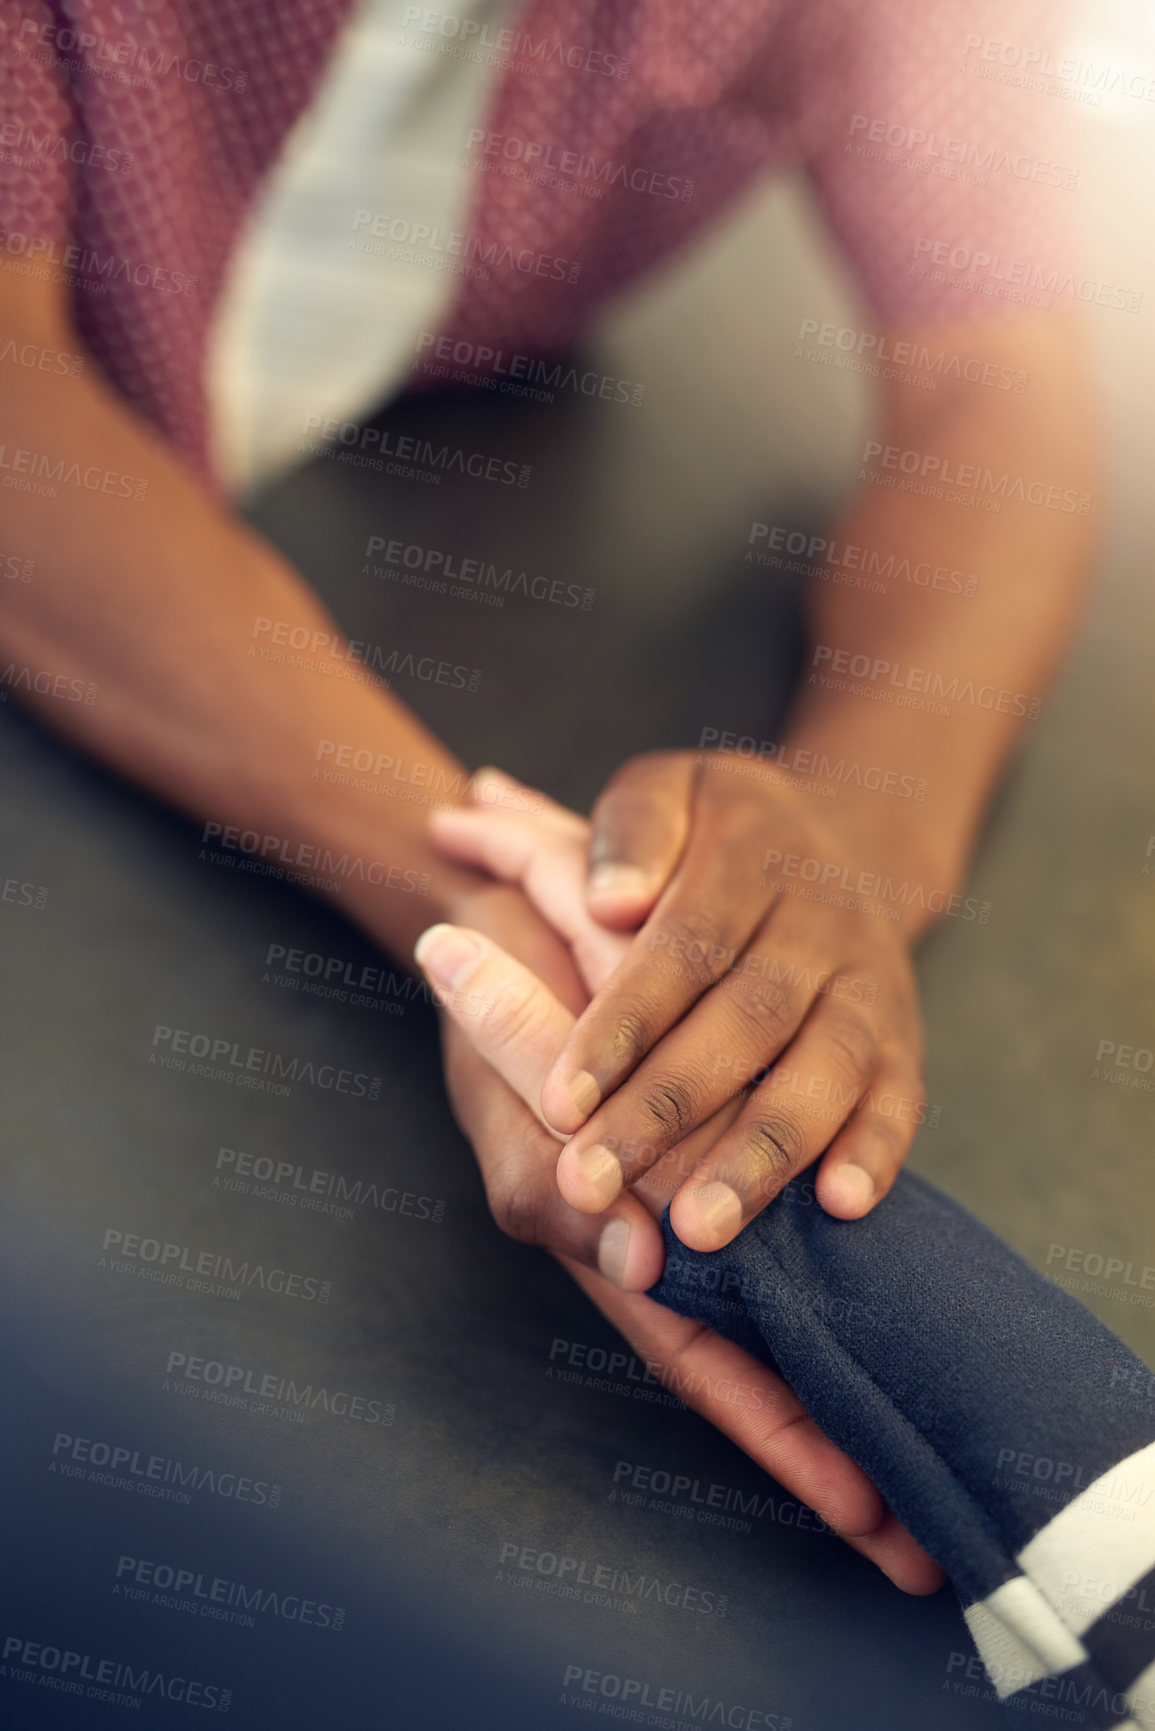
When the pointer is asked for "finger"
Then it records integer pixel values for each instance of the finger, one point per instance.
(701, 924)
(755, 1409)
(511, 1023)
(496, 787)
(507, 1014)
(730, 1036)
(638, 830)
(867, 1155)
(545, 856)
(516, 1155)
(789, 1119)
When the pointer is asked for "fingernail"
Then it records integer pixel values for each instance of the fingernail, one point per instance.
(621, 880)
(584, 1092)
(851, 1189)
(447, 954)
(719, 1210)
(612, 1247)
(602, 1171)
(487, 783)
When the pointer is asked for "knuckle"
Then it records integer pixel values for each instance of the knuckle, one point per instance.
(627, 802)
(515, 1019)
(631, 1036)
(671, 1105)
(853, 1040)
(619, 812)
(516, 1205)
(695, 935)
(642, 769)
(775, 1146)
(765, 1013)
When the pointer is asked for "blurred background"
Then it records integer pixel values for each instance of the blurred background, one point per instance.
(413, 1514)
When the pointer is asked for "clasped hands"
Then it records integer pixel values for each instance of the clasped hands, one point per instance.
(639, 1012)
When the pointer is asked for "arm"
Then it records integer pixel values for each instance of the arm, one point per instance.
(155, 600)
(1033, 565)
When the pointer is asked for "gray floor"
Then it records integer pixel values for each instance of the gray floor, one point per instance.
(411, 1526)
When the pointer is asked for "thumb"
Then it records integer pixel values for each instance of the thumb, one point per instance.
(638, 829)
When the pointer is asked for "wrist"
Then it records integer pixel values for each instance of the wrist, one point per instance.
(875, 842)
(367, 847)
(901, 795)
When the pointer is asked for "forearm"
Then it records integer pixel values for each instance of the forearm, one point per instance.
(154, 602)
(986, 658)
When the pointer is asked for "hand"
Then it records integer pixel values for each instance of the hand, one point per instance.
(503, 1027)
(491, 1018)
(736, 986)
